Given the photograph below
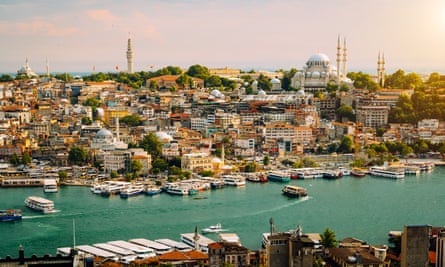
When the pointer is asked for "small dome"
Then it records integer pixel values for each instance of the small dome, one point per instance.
(164, 136)
(217, 93)
(255, 82)
(261, 93)
(103, 133)
(217, 160)
(275, 80)
(316, 74)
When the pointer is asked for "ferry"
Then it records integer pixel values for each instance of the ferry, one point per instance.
(50, 186)
(234, 180)
(394, 173)
(358, 173)
(294, 191)
(256, 178)
(114, 188)
(179, 189)
(10, 215)
(217, 184)
(278, 176)
(40, 204)
(132, 190)
(153, 190)
(217, 228)
(332, 174)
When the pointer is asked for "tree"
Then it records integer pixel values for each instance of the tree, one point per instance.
(136, 166)
(266, 160)
(363, 81)
(86, 120)
(287, 79)
(198, 71)
(213, 81)
(160, 164)
(328, 239)
(77, 156)
(132, 120)
(113, 174)
(346, 144)
(185, 81)
(92, 102)
(345, 111)
(6, 78)
(264, 83)
(14, 160)
(26, 158)
(152, 145)
(62, 175)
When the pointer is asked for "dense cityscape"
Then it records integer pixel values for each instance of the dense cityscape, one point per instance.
(210, 133)
(183, 131)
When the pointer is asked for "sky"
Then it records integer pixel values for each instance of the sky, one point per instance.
(81, 35)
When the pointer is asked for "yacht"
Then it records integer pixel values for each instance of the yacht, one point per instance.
(114, 188)
(132, 190)
(50, 186)
(40, 204)
(217, 228)
(234, 180)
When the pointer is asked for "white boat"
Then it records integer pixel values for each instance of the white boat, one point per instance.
(50, 186)
(394, 173)
(234, 180)
(217, 228)
(132, 190)
(177, 189)
(114, 188)
(40, 204)
(344, 171)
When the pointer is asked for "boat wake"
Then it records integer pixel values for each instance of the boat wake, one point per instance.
(292, 203)
(33, 217)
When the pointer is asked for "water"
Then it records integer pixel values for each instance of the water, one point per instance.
(365, 208)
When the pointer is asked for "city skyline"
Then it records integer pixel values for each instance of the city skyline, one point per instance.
(85, 36)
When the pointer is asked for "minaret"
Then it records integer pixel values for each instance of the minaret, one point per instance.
(383, 71)
(47, 68)
(196, 238)
(130, 57)
(338, 59)
(345, 56)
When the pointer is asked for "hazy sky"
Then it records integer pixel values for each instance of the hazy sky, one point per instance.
(260, 34)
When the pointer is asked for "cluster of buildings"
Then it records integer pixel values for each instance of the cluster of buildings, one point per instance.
(419, 245)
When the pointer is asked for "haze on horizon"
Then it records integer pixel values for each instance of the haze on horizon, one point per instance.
(262, 34)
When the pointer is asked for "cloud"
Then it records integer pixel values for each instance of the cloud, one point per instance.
(103, 15)
(36, 27)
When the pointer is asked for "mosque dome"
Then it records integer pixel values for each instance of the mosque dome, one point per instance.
(315, 74)
(104, 133)
(217, 94)
(275, 80)
(318, 59)
(164, 136)
(261, 93)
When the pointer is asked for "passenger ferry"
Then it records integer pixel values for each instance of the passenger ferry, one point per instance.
(10, 215)
(50, 186)
(294, 191)
(114, 188)
(278, 176)
(40, 204)
(132, 190)
(217, 184)
(394, 173)
(153, 190)
(234, 180)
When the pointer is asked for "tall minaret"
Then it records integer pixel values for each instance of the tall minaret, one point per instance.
(345, 56)
(47, 68)
(338, 59)
(381, 70)
(130, 57)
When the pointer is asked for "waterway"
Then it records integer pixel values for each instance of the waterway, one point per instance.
(365, 208)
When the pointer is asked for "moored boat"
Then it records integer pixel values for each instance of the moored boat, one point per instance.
(217, 184)
(332, 174)
(40, 204)
(294, 191)
(132, 190)
(153, 190)
(50, 186)
(234, 180)
(278, 176)
(394, 173)
(10, 215)
(358, 173)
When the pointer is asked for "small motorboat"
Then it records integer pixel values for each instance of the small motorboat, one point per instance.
(217, 228)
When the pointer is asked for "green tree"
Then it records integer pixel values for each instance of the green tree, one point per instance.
(363, 81)
(345, 111)
(287, 77)
(132, 120)
(26, 159)
(136, 166)
(266, 160)
(152, 145)
(250, 167)
(206, 173)
(77, 156)
(63, 175)
(86, 121)
(328, 239)
(113, 174)
(6, 78)
(213, 81)
(346, 144)
(198, 71)
(264, 83)
(92, 102)
(160, 164)
(185, 81)
(14, 160)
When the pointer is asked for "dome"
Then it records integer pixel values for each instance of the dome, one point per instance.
(315, 74)
(275, 80)
(103, 133)
(164, 136)
(318, 60)
(217, 93)
(261, 93)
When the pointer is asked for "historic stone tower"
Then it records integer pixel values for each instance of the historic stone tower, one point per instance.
(130, 57)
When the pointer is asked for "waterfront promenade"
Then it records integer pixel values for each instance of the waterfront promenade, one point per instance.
(365, 208)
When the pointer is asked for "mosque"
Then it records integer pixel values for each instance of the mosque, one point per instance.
(318, 71)
(26, 70)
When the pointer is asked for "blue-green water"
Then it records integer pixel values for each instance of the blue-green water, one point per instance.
(365, 208)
